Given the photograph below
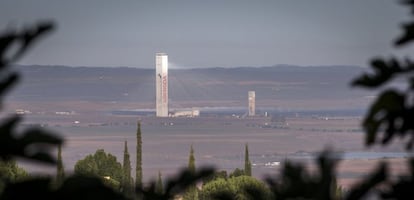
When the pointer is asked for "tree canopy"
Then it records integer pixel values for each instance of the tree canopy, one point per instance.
(236, 188)
(100, 164)
(11, 172)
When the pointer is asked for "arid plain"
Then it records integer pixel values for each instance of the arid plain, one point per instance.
(218, 141)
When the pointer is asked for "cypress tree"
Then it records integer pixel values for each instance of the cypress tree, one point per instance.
(247, 163)
(192, 192)
(138, 167)
(191, 160)
(126, 179)
(159, 188)
(60, 172)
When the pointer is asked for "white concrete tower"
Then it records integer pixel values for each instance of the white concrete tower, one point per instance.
(161, 84)
(252, 103)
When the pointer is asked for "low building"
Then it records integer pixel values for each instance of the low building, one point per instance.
(186, 113)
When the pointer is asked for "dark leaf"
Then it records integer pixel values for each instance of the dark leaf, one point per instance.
(408, 35)
(29, 36)
(31, 189)
(8, 146)
(26, 38)
(387, 112)
(33, 144)
(360, 190)
(296, 183)
(384, 71)
(6, 40)
(7, 83)
(403, 188)
(224, 196)
(39, 135)
(255, 193)
(83, 187)
(408, 28)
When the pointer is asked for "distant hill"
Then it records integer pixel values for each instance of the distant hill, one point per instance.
(60, 83)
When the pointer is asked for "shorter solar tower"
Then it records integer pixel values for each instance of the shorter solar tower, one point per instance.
(252, 103)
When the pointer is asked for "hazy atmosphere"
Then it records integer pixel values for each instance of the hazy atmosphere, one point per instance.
(284, 99)
(213, 33)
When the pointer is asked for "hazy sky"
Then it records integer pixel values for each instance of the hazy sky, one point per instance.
(209, 33)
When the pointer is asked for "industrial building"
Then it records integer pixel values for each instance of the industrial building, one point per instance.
(161, 84)
(187, 113)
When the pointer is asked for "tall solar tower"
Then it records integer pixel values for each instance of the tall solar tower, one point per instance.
(252, 103)
(161, 82)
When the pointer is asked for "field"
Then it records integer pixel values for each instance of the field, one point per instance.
(219, 142)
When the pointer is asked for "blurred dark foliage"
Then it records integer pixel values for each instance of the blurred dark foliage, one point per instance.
(368, 184)
(408, 28)
(75, 187)
(403, 188)
(33, 143)
(24, 39)
(296, 183)
(390, 116)
(36, 143)
(393, 111)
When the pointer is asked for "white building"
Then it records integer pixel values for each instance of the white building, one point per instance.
(252, 103)
(187, 113)
(161, 84)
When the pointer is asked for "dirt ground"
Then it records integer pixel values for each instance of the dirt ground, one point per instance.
(166, 148)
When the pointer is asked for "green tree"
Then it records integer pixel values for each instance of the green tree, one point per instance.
(191, 160)
(126, 179)
(60, 170)
(192, 192)
(235, 188)
(138, 166)
(247, 163)
(159, 187)
(216, 188)
(218, 174)
(11, 172)
(103, 165)
(237, 172)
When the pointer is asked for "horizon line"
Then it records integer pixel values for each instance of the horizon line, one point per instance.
(189, 68)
